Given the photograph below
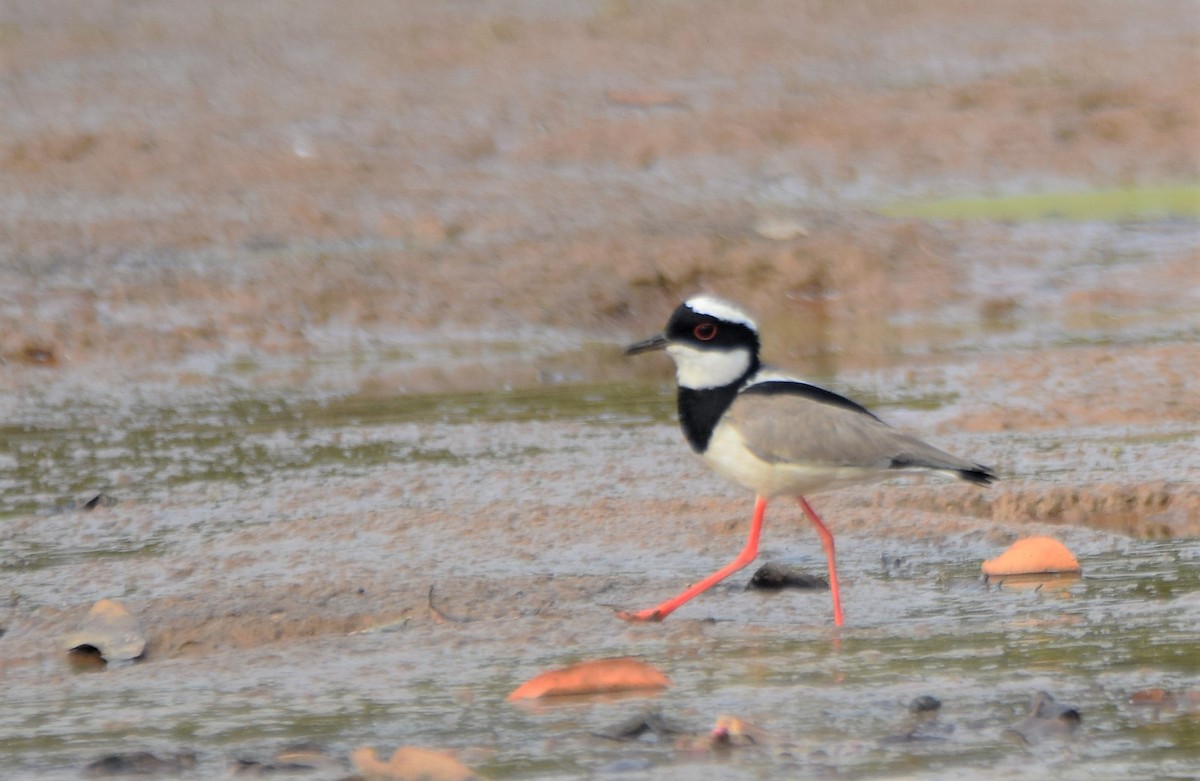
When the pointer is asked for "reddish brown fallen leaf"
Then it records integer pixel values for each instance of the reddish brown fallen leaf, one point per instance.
(409, 763)
(1032, 555)
(593, 677)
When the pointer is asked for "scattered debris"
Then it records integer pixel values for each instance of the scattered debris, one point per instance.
(386, 626)
(595, 676)
(441, 616)
(1047, 719)
(774, 576)
(730, 732)
(733, 732)
(1185, 700)
(38, 355)
(297, 758)
(921, 723)
(778, 227)
(645, 98)
(894, 566)
(410, 763)
(110, 631)
(75, 505)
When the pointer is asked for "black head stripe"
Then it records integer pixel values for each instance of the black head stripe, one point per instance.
(729, 335)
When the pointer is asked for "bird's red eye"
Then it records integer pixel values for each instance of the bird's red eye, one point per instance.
(705, 331)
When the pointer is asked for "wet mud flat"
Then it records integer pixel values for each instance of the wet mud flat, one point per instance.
(385, 573)
(319, 309)
(316, 561)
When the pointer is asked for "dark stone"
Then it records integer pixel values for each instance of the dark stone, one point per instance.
(922, 723)
(139, 763)
(99, 500)
(652, 722)
(924, 704)
(774, 576)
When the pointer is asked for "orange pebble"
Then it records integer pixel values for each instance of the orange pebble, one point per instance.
(1032, 555)
(593, 677)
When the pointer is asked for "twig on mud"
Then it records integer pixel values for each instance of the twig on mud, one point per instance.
(440, 615)
(388, 626)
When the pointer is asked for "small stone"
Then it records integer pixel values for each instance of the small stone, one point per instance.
(99, 500)
(635, 727)
(922, 723)
(773, 576)
(924, 704)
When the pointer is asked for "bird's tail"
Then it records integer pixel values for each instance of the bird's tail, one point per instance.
(972, 473)
(978, 474)
(916, 454)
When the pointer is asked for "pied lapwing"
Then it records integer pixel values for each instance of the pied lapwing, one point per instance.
(775, 434)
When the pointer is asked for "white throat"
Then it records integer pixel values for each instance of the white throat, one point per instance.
(702, 369)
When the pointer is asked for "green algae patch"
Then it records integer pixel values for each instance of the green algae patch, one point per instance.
(1110, 205)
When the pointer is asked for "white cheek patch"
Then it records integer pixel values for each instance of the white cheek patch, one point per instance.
(700, 369)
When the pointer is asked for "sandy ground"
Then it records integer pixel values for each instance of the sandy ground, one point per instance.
(191, 193)
(199, 198)
(180, 178)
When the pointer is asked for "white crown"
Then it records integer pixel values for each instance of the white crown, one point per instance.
(720, 309)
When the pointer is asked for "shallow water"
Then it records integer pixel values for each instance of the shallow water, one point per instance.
(223, 337)
(831, 703)
(279, 547)
(69, 451)
(265, 490)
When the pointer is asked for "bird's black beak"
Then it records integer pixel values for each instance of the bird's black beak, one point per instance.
(656, 342)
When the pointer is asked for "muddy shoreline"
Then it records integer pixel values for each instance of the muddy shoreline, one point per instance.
(331, 305)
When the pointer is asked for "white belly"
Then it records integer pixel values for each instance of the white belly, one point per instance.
(728, 456)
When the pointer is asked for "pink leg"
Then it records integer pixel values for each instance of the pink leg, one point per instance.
(745, 557)
(827, 544)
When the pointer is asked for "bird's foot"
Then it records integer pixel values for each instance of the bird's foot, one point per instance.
(653, 614)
